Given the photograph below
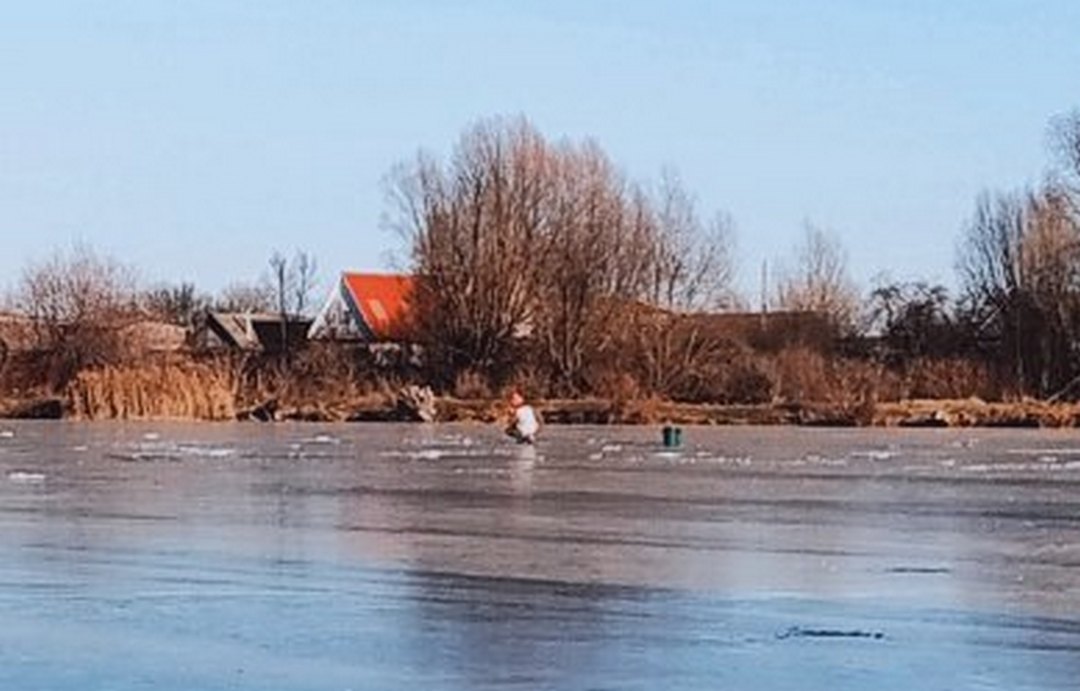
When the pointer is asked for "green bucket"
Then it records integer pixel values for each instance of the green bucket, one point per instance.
(672, 436)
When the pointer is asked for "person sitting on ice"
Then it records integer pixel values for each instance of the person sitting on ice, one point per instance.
(525, 422)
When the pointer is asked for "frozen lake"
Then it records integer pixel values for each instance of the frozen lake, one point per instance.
(185, 557)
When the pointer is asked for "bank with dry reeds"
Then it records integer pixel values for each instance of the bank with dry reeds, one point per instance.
(796, 387)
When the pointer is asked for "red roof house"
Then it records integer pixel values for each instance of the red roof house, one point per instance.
(367, 307)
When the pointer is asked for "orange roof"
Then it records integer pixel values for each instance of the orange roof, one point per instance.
(381, 299)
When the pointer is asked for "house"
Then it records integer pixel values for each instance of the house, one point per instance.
(770, 331)
(366, 307)
(763, 331)
(265, 332)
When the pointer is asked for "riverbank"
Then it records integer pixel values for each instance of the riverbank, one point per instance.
(213, 405)
(319, 388)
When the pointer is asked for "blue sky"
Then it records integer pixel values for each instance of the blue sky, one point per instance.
(193, 138)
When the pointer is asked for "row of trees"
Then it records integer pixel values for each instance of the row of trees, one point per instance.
(540, 259)
(80, 303)
(289, 287)
(515, 235)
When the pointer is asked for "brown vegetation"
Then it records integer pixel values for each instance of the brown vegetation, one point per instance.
(178, 389)
(538, 265)
(533, 256)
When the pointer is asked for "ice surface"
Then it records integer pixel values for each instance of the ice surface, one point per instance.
(444, 557)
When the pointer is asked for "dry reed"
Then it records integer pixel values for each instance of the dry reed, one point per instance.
(185, 390)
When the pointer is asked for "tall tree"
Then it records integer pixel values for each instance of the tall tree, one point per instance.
(1020, 267)
(176, 304)
(476, 228)
(527, 250)
(79, 302)
(818, 280)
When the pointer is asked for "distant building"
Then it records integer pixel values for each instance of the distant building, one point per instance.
(769, 331)
(263, 332)
(763, 331)
(366, 307)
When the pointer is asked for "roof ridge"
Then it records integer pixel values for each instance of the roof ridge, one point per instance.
(387, 274)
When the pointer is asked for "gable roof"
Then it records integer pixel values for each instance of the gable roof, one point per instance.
(380, 300)
(366, 307)
(256, 331)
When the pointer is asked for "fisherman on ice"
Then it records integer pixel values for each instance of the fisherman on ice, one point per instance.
(525, 423)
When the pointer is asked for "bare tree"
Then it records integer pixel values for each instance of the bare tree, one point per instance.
(690, 270)
(693, 265)
(304, 269)
(279, 275)
(292, 282)
(989, 261)
(1020, 266)
(818, 281)
(475, 228)
(176, 304)
(916, 319)
(1065, 140)
(78, 302)
(529, 251)
(245, 297)
(599, 251)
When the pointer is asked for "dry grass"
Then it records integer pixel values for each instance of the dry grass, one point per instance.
(471, 384)
(180, 390)
(795, 385)
(974, 412)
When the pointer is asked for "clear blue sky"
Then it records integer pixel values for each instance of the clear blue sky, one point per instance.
(192, 138)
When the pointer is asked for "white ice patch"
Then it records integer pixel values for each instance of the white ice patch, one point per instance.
(737, 461)
(207, 451)
(1039, 465)
(874, 454)
(426, 454)
(7, 434)
(23, 477)
(456, 440)
(1044, 452)
(322, 439)
(144, 456)
(151, 436)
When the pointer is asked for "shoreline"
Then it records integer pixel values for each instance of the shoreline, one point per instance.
(925, 413)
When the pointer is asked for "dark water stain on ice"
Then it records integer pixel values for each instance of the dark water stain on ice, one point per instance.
(158, 556)
(799, 632)
(927, 570)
